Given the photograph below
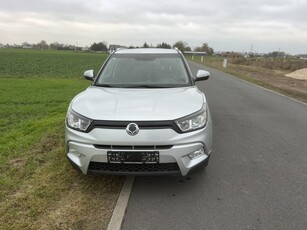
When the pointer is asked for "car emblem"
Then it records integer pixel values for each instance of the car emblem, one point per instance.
(132, 129)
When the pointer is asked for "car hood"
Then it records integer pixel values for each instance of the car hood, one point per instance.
(138, 104)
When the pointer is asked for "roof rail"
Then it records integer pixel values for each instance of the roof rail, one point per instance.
(178, 50)
(112, 49)
(121, 48)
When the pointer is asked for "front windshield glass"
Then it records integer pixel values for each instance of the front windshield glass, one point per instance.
(144, 70)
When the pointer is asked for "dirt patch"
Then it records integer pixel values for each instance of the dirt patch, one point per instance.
(47, 144)
(85, 205)
(298, 74)
(18, 163)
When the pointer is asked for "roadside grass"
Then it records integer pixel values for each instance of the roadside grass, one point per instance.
(38, 188)
(269, 78)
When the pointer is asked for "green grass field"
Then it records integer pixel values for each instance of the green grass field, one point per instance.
(47, 63)
(38, 188)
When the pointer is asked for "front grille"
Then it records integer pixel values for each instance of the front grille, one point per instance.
(136, 147)
(135, 169)
(142, 125)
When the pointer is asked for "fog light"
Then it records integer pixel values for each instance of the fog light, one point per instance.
(74, 152)
(196, 153)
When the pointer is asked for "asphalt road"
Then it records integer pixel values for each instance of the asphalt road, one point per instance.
(257, 175)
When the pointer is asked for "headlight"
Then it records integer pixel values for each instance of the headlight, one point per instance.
(76, 121)
(194, 121)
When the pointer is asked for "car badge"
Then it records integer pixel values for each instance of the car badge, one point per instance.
(132, 129)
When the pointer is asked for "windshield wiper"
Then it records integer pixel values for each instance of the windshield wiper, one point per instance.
(106, 85)
(134, 86)
(147, 86)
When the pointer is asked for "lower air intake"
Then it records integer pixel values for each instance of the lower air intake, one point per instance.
(133, 169)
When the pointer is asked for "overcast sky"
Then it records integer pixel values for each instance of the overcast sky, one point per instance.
(236, 25)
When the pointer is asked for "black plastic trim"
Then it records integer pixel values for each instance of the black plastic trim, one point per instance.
(134, 147)
(127, 169)
(141, 124)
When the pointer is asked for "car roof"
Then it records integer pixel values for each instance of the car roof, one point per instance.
(146, 51)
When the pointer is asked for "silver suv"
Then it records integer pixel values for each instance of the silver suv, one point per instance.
(143, 114)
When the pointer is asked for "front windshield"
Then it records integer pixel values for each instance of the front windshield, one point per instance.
(144, 70)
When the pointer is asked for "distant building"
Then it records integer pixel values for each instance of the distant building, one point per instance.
(229, 54)
(195, 53)
(303, 56)
(27, 47)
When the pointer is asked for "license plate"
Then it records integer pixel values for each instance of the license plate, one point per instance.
(133, 157)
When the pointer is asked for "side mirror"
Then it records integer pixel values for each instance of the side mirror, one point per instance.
(89, 75)
(202, 75)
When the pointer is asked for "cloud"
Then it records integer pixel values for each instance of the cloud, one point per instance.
(134, 22)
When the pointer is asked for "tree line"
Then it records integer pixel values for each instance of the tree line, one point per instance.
(43, 45)
(182, 46)
(103, 46)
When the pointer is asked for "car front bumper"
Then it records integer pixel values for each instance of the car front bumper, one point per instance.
(87, 152)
